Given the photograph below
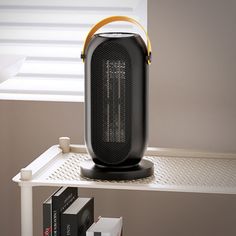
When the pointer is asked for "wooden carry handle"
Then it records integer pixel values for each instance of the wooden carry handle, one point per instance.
(108, 20)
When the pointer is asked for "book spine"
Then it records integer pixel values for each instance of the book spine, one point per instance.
(97, 234)
(76, 224)
(59, 204)
(55, 216)
(47, 228)
(69, 226)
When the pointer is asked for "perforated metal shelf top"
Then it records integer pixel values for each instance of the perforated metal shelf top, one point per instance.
(182, 174)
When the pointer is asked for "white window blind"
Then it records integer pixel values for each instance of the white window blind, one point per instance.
(50, 33)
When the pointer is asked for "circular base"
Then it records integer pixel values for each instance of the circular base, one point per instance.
(90, 170)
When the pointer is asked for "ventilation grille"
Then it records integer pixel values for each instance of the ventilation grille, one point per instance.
(111, 81)
(114, 100)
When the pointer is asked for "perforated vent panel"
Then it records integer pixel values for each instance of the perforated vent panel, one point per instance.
(180, 173)
(114, 112)
(110, 102)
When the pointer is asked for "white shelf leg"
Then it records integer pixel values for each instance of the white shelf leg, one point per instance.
(26, 204)
(26, 211)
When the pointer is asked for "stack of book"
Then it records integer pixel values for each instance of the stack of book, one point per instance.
(66, 214)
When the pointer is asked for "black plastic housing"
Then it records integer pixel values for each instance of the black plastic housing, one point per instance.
(116, 94)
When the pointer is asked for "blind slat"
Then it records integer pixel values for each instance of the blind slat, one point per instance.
(55, 34)
(42, 51)
(42, 34)
(53, 17)
(39, 86)
(72, 3)
(46, 67)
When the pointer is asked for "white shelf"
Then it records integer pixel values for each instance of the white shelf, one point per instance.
(175, 170)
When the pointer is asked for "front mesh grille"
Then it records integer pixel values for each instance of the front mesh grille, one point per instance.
(111, 102)
(114, 74)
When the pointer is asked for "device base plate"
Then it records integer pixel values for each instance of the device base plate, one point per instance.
(90, 170)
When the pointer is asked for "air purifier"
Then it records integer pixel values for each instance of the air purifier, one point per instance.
(116, 104)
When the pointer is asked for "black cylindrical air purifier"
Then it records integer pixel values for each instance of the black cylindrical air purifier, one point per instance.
(116, 91)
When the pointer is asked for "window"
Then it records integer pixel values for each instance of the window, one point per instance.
(50, 33)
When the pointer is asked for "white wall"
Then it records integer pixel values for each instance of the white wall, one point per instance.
(193, 74)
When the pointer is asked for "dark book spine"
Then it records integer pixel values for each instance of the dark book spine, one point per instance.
(47, 228)
(97, 234)
(69, 226)
(59, 204)
(77, 224)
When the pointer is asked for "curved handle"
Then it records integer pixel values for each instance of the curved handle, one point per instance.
(112, 19)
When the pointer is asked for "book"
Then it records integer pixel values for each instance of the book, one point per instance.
(106, 227)
(61, 200)
(47, 216)
(77, 218)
